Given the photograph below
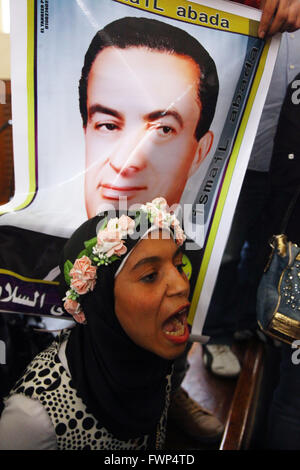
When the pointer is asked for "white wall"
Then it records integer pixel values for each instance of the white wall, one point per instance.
(4, 56)
(4, 51)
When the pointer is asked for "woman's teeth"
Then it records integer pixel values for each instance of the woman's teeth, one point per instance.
(178, 328)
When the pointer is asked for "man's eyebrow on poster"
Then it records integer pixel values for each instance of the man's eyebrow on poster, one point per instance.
(95, 111)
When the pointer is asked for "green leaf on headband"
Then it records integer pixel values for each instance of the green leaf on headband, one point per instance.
(89, 245)
(67, 268)
(82, 253)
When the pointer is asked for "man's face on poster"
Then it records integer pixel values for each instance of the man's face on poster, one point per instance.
(143, 109)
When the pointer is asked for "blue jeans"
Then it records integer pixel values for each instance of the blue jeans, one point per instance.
(284, 413)
(233, 304)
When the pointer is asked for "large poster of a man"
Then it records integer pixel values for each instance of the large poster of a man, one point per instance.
(129, 101)
(146, 134)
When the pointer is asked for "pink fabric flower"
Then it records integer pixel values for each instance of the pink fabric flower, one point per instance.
(109, 240)
(83, 275)
(118, 249)
(159, 219)
(79, 317)
(179, 235)
(126, 224)
(108, 236)
(160, 202)
(73, 307)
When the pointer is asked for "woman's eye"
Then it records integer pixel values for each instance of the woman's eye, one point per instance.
(149, 277)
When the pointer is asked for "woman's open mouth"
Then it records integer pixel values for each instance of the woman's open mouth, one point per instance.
(175, 328)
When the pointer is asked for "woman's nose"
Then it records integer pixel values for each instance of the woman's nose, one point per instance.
(178, 283)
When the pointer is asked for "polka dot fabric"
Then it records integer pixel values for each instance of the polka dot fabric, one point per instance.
(47, 381)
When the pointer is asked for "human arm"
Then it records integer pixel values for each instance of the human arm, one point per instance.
(25, 425)
(277, 15)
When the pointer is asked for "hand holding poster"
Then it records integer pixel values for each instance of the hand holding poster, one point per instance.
(170, 95)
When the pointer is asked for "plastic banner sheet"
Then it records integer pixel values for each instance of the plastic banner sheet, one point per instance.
(119, 102)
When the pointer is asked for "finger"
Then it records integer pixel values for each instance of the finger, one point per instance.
(293, 21)
(269, 9)
(284, 27)
(296, 25)
(281, 18)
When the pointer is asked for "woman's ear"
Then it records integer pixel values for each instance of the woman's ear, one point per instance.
(203, 149)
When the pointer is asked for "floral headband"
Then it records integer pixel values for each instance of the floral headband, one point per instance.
(107, 247)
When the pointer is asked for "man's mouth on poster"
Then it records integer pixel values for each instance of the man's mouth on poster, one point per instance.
(112, 192)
